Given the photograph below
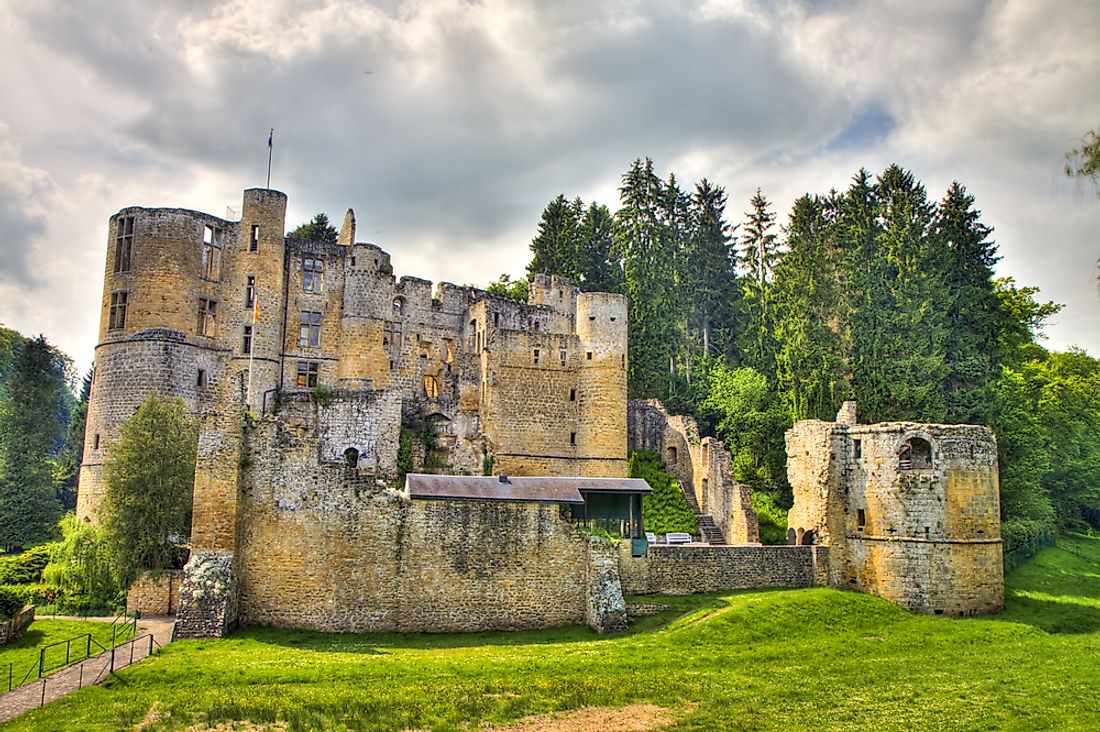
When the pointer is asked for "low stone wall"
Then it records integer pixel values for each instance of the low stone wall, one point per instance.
(17, 626)
(155, 593)
(685, 570)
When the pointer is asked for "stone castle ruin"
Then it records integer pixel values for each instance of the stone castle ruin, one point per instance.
(304, 361)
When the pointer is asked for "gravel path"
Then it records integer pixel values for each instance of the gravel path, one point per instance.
(89, 671)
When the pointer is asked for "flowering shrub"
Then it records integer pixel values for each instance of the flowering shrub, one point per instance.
(208, 575)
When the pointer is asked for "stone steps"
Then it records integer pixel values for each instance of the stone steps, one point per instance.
(707, 528)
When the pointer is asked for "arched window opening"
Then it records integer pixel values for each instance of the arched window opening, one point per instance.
(915, 454)
(399, 306)
(791, 537)
(431, 387)
(808, 538)
(351, 455)
(670, 452)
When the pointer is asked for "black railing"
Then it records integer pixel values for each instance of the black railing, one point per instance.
(77, 649)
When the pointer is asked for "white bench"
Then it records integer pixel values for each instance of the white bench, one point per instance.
(677, 537)
(651, 537)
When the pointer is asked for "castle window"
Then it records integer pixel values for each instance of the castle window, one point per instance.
(431, 387)
(564, 355)
(671, 455)
(536, 357)
(572, 395)
(857, 449)
(211, 253)
(207, 312)
(124, 242)
(307, 374)
(915, 454)
(612, 318)
(572, 438)
(249, 291)
(861, 519)
(496, 320)
(353, 260)
(310, 333)
(536, 326)
(313, 275)
(117, 314)
(246, 341)
(399, 306)
(200, 381)
(254, 239)
(588, 355)
(95, 441)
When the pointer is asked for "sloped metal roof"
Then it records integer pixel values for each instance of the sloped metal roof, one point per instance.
(537, 489)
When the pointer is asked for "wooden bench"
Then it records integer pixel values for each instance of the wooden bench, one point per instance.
(677, 537)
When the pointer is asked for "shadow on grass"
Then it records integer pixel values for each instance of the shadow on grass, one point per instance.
(376, 643)
(1051, 616)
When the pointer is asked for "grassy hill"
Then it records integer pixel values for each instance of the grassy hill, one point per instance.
(762, 660)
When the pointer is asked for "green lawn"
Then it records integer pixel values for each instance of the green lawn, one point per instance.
(22, 655)
(763, 660)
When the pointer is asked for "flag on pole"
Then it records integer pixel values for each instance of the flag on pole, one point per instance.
(270, 136)
(255, 309)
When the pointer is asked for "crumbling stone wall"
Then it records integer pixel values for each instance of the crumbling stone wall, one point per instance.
(685, 570)
(324, 549)
(925, 535)
(155, 593)
(702, 464)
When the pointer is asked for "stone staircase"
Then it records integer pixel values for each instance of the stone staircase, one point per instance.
(709, 530)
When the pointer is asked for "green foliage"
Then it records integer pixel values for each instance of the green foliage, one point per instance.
(772, 518)
(1084, 160)
(321, 395)
(10, 602)
(25, 568)
(318, 229)
(82, 569)
(504, 285)
(32, 420)
(751, 422)
(405, 454)
(1028, 668)
(759, 257)
(665, 509)
(23, 653)
(150, 476)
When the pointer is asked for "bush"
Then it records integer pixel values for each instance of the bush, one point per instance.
(665, 509)
(82, 570)
(25, 568)
(10, 602)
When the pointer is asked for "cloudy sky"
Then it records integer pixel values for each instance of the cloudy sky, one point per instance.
(448, 125)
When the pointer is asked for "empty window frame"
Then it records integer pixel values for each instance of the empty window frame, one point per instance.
(857, 449)
(915, 454)
(310, 332)
(536, 357)
(95, 441)
(399, 306)
(313, 275)
(572, 438)
(431, 387)
(564, 357)
(208, 310)
(254, 239)
(116, 318)
(308, 372)
(572, 395)
(211, 252)
(124, 242)
(200, 380)
(861, 519)
(249, 291)
(246, 340)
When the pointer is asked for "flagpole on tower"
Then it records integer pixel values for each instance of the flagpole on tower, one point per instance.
(270, 138)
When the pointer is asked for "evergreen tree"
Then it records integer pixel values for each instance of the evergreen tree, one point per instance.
(811, 363)
(643, 242)
(31, 422)
(599, 270)
(318, 229)
(71, 456)
(708, 270)
(759, 256)
(554, 249)
(971, 306)
(150, 476)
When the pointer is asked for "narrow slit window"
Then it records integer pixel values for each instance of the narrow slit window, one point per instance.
(246, 340)
(857, 449)
(249, 291)
(572, 438)
(254, 239)
(564, 357)
(588, 356)
(861, 518)
(200, 380)
(536, 357)
(95, 441)
(572, 395)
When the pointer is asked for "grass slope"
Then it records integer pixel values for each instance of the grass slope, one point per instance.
(774, 660)
(23, 653)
